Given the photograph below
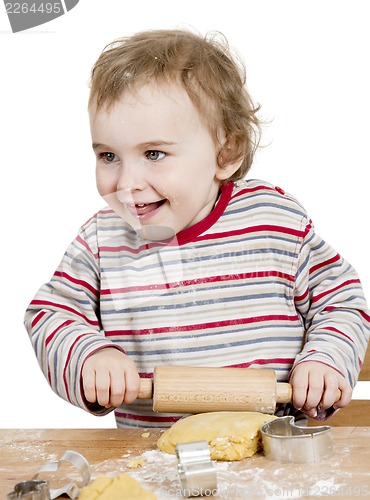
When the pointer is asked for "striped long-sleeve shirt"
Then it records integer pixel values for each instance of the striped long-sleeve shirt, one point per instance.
(251, 285)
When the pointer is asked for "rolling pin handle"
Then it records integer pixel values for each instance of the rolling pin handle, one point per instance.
(284, 392)
(146, 388)
(339, 395)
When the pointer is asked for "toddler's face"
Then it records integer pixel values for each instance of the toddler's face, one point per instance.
(156, 162)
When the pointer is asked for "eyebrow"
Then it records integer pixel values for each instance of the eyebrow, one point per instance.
(97, 145)
(156, 143)
(149, 144)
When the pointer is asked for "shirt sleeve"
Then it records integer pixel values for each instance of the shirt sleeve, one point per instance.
(63, 322)
(330, 299)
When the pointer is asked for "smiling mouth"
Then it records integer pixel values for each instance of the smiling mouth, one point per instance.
(142, 209)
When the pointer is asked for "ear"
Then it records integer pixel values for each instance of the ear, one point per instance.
(226, 171)
(229, 160)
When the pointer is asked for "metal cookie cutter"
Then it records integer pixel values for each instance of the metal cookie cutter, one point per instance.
(284, 441)
(30, 490)
(39, 490)
(196, 471)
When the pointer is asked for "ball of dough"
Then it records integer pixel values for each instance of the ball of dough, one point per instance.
(122, 487)
(230, 435)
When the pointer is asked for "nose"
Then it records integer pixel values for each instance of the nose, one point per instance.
(131, 178)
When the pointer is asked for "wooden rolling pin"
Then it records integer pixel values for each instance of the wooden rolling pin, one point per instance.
(189, 389)
(193, 389)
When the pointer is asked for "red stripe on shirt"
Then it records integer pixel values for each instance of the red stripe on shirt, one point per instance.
(37, 318)
(252, 190)
(331, 290)
(67, 362)
(198, 281)
(299, 298)
(253, 229)
(46, 303)
(326, 263)
(364, 315)
(50, 337)
(332, 329)
(84, 244)
(261, 362)
(203, 326)
(83, 283)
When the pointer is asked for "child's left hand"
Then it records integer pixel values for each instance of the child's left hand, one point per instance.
(315, 388)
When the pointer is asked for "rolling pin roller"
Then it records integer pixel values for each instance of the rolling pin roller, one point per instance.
(189, 389)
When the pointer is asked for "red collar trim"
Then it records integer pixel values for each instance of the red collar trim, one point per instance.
(192, 232)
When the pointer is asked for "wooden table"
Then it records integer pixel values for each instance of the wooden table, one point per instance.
(109, 451)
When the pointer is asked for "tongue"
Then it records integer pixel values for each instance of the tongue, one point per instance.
(148, 208)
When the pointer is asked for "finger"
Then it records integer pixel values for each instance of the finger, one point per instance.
(102, 383)
(330, 391)
(312, 412)
(299, 386)
(117, 389)
(346, 395)
(88, 384)
(315, 391)
(132, 386)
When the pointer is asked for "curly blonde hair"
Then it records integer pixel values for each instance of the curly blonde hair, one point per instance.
(213, 78)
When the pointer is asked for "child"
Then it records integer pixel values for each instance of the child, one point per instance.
(191, 264)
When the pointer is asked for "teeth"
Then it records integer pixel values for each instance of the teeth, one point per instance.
(140, 205)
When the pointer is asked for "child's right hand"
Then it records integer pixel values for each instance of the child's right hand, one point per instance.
(110, 378)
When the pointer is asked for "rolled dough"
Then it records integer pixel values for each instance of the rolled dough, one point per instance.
(230, 435)
(122, 487)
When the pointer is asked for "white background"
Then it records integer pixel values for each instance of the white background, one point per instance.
(307, 65)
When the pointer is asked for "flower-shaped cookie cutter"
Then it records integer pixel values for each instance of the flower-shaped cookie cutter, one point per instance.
(39, 489)
(284, 441)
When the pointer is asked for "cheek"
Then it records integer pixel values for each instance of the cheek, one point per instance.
(166, 184)
(105, 182)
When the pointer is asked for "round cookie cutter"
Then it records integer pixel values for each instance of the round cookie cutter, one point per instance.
(284, 441)
(197, 474)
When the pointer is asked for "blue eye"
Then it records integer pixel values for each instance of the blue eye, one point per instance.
(154, 155)
(109, 157)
